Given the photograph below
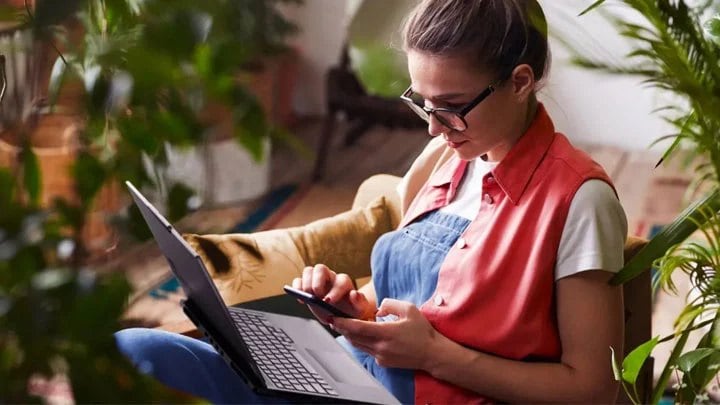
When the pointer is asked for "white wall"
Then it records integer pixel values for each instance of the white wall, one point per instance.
(590, 106)
(587, 106)
(322, 24)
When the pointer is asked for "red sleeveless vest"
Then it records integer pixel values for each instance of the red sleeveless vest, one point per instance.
(496, 287)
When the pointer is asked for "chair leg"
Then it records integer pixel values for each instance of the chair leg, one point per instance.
(323, 147)
(356, 131)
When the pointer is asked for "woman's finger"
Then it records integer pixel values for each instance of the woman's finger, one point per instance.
(297, 284)
(322, 280)
(342, 285)
(307, 275)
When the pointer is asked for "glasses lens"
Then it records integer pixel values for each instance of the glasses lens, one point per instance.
(451, 120)
(418, 110)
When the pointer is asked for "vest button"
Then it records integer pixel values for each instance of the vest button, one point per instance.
(438, 300)
(461, 243)
(487, 199)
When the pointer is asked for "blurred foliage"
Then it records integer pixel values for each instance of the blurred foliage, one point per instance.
(145, 73)
(676, 49)
(379, 69)
(375, 47)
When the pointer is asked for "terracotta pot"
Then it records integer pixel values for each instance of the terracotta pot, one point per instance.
(55, 143)
(273, 83)
(287, 75)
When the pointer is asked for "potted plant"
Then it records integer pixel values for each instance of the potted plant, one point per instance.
(676, 48)
(146, 71)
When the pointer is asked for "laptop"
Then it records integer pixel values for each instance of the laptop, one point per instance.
(285, 356)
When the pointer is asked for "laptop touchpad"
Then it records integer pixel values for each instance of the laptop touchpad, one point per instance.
(335, 363)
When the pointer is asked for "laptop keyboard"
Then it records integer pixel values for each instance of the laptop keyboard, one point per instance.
(274, 352)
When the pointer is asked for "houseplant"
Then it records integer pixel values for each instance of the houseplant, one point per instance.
(676, 48)
(145, 71)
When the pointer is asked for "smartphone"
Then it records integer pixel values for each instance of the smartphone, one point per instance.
(310, 299)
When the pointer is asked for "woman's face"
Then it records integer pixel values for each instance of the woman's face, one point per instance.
(451, 82)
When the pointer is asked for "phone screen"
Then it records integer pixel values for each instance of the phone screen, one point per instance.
(310, 299)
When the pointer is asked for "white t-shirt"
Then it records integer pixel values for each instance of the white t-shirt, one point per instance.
(595, 231)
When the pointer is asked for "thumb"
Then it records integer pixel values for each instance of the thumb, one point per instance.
(391, 306)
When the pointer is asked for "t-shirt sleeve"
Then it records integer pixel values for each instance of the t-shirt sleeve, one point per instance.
(595, 232)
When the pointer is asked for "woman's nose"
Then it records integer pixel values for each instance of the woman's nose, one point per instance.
(435, 128)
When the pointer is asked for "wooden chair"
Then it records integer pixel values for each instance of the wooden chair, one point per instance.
(346, 96)
(637, 296)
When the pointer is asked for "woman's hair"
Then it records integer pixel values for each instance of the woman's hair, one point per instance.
(498, 34)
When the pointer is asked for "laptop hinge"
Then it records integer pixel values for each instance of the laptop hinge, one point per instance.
(232, 353)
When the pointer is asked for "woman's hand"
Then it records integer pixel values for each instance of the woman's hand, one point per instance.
(402, 343)
(336, 289)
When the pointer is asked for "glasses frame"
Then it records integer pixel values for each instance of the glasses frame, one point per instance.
(424, 112)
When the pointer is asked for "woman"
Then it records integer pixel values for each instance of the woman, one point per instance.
(494, 287)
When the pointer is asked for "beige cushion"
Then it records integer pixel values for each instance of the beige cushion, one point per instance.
(251, 266)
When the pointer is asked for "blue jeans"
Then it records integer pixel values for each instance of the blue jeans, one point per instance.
(186, 364)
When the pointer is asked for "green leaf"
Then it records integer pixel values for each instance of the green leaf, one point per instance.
(178, 201)
(203, 60)
(135, 132)
(634, 360)
(689, 360)
(700, 370)
(70, 214)
(615, 366)
(678, 140)
(713, 28)
(677, 231)
(31, 173)
(89, 175)
(251, 129)
(591, 8)
(7, 189)
(715, 333)
(57, 76)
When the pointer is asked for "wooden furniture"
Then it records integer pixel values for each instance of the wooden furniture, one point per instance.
(346, 96)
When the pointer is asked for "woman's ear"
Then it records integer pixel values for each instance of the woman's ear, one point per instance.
(523, 82)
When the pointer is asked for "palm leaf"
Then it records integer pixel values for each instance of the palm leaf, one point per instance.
(593, 6)
(679, 230)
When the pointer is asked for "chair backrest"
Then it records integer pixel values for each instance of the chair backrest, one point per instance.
(637, 293)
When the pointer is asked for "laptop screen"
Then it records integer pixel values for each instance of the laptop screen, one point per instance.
(190, 270)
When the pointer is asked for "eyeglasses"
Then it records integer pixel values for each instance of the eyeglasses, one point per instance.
(453, 118)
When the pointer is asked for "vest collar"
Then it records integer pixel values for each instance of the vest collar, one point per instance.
(514, 172)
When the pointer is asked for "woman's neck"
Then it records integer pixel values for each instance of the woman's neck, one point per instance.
(521, 128)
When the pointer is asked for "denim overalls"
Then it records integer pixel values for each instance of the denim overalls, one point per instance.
(405, 266)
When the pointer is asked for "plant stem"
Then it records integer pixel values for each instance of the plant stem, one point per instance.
(32, 18)
(667, 370)
(698, 326)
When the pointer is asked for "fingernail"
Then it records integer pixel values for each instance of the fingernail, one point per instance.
(326, 299)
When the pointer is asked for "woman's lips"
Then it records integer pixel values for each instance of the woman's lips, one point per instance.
(455, 145)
